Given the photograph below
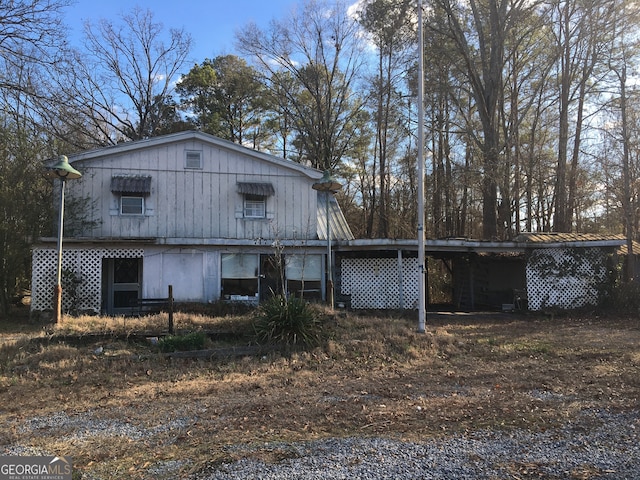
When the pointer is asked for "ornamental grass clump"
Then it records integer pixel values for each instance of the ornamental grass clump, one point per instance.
(182, 343)
(290, 322)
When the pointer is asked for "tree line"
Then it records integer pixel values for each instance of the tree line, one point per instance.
(531, 111)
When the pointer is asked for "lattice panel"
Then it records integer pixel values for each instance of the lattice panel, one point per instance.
(86, 264)
(565, 277)
(375, 282)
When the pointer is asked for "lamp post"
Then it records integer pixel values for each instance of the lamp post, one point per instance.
(64, 171)
(329, 185)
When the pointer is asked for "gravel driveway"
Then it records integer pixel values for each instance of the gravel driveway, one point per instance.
(597, 445)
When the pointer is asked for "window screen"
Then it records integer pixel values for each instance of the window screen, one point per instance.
(193, 159)
(131, 205)
(254, 206)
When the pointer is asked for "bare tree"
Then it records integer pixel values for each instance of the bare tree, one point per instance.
(30, 32)
(623, 54)
(581, 30)
(312, 61)
(479, 31)
(31, 39)
(115, 89)
(389, 28)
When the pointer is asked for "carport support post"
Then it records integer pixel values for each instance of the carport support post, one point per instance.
(400, 282)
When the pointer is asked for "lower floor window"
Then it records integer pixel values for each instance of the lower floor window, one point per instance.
(239, 275)
(304, 276)
(245, 278)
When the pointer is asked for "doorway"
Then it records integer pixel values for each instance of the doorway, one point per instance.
(121, 285)
(270, 277)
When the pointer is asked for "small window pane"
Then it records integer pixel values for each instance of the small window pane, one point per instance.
(194, 160)
(238, 265)
(239, 275)
(254, 206)
(239, 287)
(125, 298)
(309, 289)
(125, 270)
(132, 205)
(303, 267)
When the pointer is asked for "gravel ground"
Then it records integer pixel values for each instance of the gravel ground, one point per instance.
(597, 444)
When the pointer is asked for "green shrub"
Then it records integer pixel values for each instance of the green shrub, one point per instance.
(181, 343)
(287, 321)
(625, 298)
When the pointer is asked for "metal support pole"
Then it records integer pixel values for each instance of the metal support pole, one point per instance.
(421, 236)
(57, 303)
(330, 300)
(329, 186)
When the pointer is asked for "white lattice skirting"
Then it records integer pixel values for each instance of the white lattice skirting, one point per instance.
(565, 278)
(378, 282)
(85, 263)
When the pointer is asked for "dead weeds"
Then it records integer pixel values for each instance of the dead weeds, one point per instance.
(128, 409)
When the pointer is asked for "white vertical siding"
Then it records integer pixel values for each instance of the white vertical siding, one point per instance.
(190, 203)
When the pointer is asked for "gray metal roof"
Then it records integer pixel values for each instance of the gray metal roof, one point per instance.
(262, 189)
(559, 237)
(131, 184)
(337, 223)
(89, 156)
(519, 245)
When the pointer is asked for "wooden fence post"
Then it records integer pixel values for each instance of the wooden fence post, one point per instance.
(170, 300)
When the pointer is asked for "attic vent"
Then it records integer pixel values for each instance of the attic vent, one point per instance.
(193, 159)
(256, 188)
(140, 184)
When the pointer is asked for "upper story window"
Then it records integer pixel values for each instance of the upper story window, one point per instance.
(131, 205)
(193, 159)
(255, 196)
(255, 206)
(132, 190)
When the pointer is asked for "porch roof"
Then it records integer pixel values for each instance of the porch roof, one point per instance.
(520, 244)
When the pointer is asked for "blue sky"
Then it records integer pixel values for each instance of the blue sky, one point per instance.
(211, 23)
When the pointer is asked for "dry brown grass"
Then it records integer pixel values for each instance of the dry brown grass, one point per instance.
(375, 376)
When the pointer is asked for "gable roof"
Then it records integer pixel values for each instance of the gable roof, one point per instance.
(99, 153)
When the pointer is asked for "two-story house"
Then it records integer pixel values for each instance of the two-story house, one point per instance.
(220, 221)
(212, 218)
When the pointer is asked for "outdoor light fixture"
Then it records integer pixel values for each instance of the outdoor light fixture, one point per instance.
(64, 171)
(329, 185)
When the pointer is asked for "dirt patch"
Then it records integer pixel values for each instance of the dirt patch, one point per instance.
(128, 409)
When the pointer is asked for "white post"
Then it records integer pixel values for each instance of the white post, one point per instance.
(421, 237)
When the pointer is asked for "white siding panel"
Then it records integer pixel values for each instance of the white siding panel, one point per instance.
(212, 282)
(198, 203)
(184, 270)
(152, 286)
